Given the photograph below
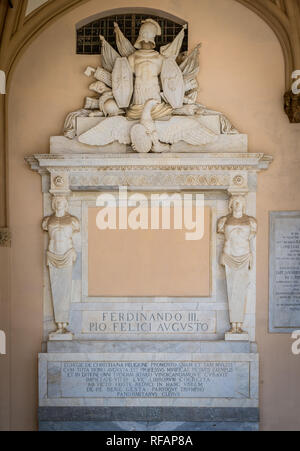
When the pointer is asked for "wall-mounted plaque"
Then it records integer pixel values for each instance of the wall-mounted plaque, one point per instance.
(284, 277)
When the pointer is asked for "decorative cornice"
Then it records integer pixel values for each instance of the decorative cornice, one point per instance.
(202, 170)
(139, 162)
(152, 180)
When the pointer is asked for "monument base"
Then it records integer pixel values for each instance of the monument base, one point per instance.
(154, 386)
(152, 419)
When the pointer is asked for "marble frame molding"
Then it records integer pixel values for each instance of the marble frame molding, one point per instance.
(83, 177)
(86, 204)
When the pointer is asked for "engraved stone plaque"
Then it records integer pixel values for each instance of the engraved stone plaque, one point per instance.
(158, 379)
(284, 277)
(148, 322)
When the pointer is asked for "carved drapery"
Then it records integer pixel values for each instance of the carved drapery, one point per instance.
(17, 31)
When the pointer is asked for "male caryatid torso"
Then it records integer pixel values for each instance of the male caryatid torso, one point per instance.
(147, 66)
(61, 252)
(60, 232)
(238, 229)
(237, 236)
(61, 256)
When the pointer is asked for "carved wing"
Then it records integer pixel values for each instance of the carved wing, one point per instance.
(122, 82)
(107, 131)
(172, 83)
(189, 130)
(124, 45)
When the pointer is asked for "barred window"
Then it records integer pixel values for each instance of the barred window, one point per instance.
(88, 42)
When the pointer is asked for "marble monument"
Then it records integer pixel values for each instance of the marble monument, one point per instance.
(148, 362)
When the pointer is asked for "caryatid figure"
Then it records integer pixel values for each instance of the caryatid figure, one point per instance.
(61, 256)
(237, 257)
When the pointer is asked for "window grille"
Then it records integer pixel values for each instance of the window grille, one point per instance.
(88, 42)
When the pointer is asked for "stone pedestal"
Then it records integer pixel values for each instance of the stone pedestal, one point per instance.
(236, 337)
(149, 386)
(183, 371)
(60, 337)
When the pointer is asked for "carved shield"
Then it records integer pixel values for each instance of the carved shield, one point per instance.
(172, 83)
(122, 82)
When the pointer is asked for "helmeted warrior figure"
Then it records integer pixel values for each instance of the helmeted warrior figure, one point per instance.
(140, 82)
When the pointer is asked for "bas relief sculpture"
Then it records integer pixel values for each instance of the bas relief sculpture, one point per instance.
(147, 99)
(61, 256)
(237, 258)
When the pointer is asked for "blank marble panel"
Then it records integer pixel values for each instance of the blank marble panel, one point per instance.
(148, 262)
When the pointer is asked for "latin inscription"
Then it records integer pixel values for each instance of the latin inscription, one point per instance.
(148, 322)
(285, 271)
(155, 379)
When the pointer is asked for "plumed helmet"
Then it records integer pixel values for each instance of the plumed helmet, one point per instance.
(149, 29)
